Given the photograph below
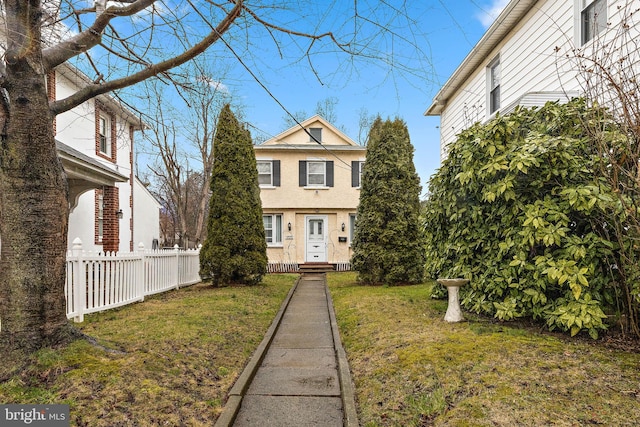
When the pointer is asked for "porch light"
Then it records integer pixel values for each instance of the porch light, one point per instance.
(119, 214)
(289, 226)
(343, 226)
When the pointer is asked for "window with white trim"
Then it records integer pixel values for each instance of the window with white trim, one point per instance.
(273, 229)
(316, 174)
(493, 79)
(104, 135)
(593, 19)
(352, 227)
(99, 215)
(268, 173)
(265, 173)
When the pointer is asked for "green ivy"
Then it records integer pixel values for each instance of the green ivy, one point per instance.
(518, 209)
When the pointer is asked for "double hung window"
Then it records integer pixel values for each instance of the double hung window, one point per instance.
(316, 174)
(593, 19)
(494, 86)
(273, 229)
(269, 173)
(104, 135)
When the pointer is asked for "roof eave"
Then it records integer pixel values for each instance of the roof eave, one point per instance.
(510, 16)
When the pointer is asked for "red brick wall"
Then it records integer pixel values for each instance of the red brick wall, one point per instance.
(110, 222)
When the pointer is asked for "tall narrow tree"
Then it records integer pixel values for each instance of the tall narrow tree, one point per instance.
(388, 244)
(235, 250)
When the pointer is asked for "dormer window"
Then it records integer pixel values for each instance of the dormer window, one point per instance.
(316, 135)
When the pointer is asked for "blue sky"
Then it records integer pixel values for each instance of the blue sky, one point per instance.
(447, 31)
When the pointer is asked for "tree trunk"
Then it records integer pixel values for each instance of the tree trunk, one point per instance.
(33, 209)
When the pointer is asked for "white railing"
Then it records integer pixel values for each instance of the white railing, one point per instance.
(343, 266)
(97, 282)
(282, 267)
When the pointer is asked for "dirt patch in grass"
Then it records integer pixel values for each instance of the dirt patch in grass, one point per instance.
(167, 361)
(411, 368)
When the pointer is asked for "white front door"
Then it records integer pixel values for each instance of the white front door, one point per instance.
(316, 239)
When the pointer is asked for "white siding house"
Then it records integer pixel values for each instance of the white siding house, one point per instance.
(96, 145)
(528, 57)
(146, 219)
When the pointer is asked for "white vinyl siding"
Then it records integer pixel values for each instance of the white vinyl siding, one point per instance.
(536, 36)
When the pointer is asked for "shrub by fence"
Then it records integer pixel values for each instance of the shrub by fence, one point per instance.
(100, 281)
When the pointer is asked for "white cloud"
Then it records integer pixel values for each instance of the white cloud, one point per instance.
(491, 12)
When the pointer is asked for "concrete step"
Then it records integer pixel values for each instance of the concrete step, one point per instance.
(319, 267)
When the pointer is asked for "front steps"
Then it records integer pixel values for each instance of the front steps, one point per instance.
(316, 267)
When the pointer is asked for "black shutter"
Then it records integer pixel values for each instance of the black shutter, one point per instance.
(329, 169)
(355, 174)
(302, 173)
(275, 164)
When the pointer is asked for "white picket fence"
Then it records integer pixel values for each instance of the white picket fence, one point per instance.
(100, 281)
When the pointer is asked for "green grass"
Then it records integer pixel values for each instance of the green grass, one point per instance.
(410, 368)
(167, 361)
(172, 359)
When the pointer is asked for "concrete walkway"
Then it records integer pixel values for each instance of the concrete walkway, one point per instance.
(299, 375)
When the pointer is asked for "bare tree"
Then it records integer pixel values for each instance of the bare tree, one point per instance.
(326, 108)
(119, 44)
(181, 137)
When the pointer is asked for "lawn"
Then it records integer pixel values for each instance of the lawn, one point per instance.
(171, 360)
(167, 361)
(410, 368)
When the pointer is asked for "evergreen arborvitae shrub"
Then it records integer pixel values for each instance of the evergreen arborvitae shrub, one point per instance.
(388, 243)
(517, 207)
(235, 250)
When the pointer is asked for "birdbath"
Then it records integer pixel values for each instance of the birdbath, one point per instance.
(454, 314)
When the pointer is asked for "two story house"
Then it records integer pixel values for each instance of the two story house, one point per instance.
(310, 189)
(111, 210)
(528, 56)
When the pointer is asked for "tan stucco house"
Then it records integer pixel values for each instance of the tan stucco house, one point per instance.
(310, 188)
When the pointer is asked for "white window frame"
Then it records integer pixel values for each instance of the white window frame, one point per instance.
(360, 165)
(100, 216)
(584, 9)
(493, 86)
(270, 162)
(104, 134)
(352, 227)
(324, 173)
(274, 238)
